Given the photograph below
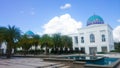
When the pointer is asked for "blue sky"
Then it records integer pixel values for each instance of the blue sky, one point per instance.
(35, 14)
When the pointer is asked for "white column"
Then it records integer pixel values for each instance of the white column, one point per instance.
(87, 50)
(99, 48)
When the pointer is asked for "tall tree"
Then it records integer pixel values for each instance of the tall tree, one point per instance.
(46, 41)
(10, 35)
(36, 41)
(66, 41)
(2, 33)
(26, 43)
(57, 40)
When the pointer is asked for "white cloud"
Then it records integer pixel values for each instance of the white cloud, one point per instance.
(62, 24)
(66, 6)
(118, 20)
(116, 34)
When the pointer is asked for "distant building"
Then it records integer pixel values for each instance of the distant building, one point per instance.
(30, 34)
(96, 37)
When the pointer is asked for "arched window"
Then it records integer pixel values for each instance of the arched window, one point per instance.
(82, 39)
(76, 39)
(92, 38)
(103, 38)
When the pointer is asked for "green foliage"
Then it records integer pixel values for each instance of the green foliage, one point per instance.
(2, 34)
(36, 41)
(66, 41)
(46, 41)
(11, 36)
(100, 52)
(113, 51)
(25, 43)
(38, 51)
(57, 40)
(117, 46)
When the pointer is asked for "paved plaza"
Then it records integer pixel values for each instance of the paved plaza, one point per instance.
(17, 62)
(28, 63)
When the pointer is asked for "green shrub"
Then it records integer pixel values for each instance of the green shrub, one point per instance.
(100, 52)
(113, 51)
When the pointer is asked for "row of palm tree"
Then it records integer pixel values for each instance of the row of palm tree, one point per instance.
(55, 41)
(11, 35)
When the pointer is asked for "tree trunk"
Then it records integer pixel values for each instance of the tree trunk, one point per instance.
(46, 50)
(8, 51)
(35, 50)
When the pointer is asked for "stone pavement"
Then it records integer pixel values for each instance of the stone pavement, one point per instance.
(28, 63)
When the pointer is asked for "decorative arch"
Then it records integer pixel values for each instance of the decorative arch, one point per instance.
(92, 38)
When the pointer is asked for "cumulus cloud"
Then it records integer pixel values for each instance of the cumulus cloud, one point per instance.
(66, 6)
(116, 34)
(64, 24)
(118, 20)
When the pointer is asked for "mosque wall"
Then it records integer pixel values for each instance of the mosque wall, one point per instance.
(97, 30)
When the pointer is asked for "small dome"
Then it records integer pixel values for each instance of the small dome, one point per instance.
(95, 19)
(29, 33)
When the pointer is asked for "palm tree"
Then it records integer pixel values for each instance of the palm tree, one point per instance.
(2, 33)
(57, 40)
(10, 35)
(36, 41)
(46, 41)
(2, 30)
(66, 41)
(26, 43)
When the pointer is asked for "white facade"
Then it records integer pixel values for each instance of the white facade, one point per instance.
(3, 47)
(94, 38)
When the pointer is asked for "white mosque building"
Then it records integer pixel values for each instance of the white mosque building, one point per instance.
(95, 37)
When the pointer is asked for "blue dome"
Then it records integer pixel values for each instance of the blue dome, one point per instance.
(29, 33)
(95, 19)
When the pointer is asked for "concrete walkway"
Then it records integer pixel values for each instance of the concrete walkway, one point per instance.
(28, 63)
